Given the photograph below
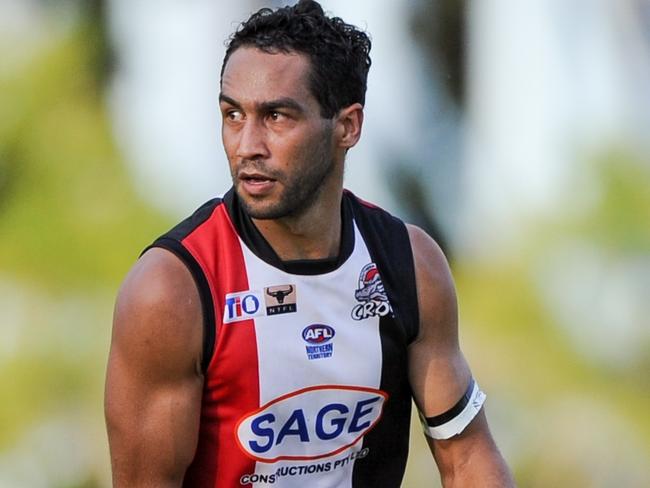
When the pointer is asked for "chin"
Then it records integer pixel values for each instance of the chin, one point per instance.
(262, 210)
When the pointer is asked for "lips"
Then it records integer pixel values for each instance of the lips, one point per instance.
(256, 184)
(255, 177)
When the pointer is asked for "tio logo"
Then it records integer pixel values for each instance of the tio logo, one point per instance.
(241, 306)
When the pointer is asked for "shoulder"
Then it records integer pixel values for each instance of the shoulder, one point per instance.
(428, 260)
(158, 278)
(190, 224)
(367, 209)
(379, 226)
(434, 282)
(428, 256)
(158, 313)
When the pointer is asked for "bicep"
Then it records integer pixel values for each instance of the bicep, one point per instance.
(438, 371)
(153, 384)
(442, 382)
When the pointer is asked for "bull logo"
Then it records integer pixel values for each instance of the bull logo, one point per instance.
(371, 295)
(280, 299)
(280, 295)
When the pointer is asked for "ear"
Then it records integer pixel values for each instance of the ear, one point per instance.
(348, 125)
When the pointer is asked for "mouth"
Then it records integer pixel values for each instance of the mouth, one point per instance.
(255, 184)
(255, 178)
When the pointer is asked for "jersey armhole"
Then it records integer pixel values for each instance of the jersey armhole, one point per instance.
(205, 296)
(389, 245)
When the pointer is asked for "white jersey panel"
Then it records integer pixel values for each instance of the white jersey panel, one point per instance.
(319, 374)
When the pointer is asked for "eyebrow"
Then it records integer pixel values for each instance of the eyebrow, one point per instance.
(280, 103)
(228, 100)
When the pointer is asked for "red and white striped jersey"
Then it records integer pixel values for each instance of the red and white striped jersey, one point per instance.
(305, 361)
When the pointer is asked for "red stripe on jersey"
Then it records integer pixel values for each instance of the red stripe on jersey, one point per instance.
(232, 381)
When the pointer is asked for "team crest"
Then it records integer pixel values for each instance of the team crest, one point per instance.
(371, 295)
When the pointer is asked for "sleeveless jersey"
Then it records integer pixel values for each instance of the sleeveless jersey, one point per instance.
(305, 361)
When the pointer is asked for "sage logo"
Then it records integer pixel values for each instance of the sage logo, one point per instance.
(311, 423)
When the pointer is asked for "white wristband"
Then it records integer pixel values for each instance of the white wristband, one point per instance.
(439, 427)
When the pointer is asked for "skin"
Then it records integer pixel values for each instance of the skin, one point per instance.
(287, 165)
(286, 160)
(154, 382)
(439, 375)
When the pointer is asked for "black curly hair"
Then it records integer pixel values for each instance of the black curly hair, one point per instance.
(339, 52)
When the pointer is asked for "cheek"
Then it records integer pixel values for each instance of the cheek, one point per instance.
(229, 141)
(297, 148)
(282, 148)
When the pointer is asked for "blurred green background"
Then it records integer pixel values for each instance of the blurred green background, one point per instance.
(554, 318)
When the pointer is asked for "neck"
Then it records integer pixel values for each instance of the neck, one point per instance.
(314, 234)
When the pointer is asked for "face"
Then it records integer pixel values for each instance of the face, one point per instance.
(279, 149)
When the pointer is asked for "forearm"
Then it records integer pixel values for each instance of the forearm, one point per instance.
(144, 480)
(471, 459)
(485, 472)
(149, 457)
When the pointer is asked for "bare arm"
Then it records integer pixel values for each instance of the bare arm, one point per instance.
(154, 381)
(439, 375)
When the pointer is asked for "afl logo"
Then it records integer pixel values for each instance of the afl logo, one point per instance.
(312, 423)
(318, 333)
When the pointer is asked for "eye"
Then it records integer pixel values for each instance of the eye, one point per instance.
(276, 116)
(233, 115)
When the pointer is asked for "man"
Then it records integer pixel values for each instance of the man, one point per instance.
(277, 336)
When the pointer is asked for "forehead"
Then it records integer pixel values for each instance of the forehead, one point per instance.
(254, 76)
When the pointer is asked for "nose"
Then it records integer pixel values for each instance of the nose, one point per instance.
(252, 141)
